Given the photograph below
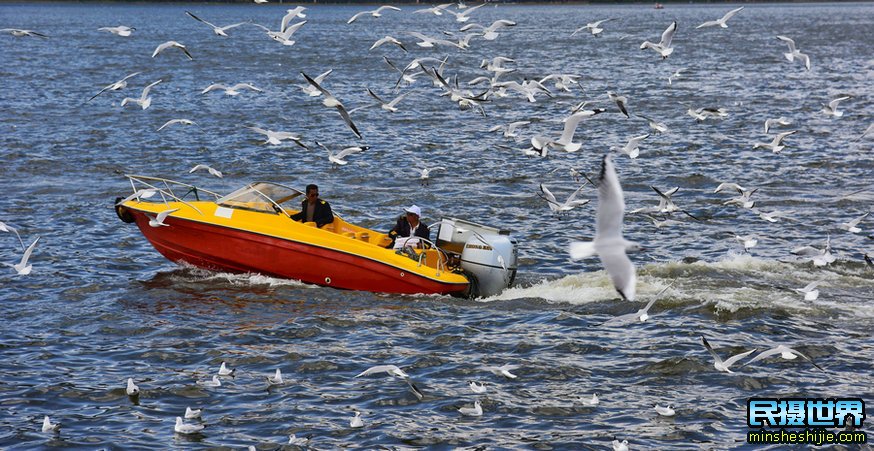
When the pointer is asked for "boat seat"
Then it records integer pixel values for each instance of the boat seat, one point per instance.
(311, 224)
(363, 236)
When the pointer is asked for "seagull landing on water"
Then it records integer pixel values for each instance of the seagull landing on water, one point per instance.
(776, 145)
(158, 221)
(748, 241)
(212, 171)
(171, 44)
(819, 257)
(144, 101)
(663, 48)
(722, 21)
(609, 243)
(721, 365)
(331, 102)
(794, 52)
(24, 268)
(853, 225)
(121, 30)
(701, 114)
(375, 13)
(121, 84)
(831, 109)
(391, 370)
(174, 122)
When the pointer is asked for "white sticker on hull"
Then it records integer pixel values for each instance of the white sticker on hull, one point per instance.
(223, 212)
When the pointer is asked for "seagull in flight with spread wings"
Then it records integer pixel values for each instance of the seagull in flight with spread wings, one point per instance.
(219, 31)
(331, 102)
(121, 84)
(722, 21)
(375, 13)
(24, 268)
(144, 101)
(171, 44)
(609, 243)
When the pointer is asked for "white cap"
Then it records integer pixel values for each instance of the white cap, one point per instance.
(414, 210)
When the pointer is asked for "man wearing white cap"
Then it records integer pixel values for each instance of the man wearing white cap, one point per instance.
(409, 225)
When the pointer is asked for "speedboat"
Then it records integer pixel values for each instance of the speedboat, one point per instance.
(251, 231)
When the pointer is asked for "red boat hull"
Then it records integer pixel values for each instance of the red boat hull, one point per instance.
(226, 249)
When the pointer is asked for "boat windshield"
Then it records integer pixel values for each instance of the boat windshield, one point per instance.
(261, 196)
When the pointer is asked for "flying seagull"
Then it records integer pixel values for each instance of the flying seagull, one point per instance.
(721, 22)
(121, 84)
(18, 33)
(721, 365)
(609, 243)
(211, 170)
(338, 158)
(170, 44)
(375, 13)
(594, 27)
(794, 52)
(176, 121)
(24, 268)
(663, 48)
(121, 30)
(144, 100)
(331, 102)
(786, 352)
(219, 31)
(8, 228)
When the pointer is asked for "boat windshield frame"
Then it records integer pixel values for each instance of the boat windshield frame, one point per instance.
(269, 193)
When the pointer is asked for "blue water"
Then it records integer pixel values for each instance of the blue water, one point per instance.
(101, 305)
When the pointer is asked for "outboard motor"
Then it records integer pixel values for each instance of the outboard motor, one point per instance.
(487, 254)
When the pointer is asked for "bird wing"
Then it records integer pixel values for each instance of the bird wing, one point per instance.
(348, 120)
(349, 151)
(620, 269)
(149, 88)
(26, 256)
(709, 23)
(834, 103)
(356, 16)
(668, 35)
(730, 14)
(199, 19)
(611, 202)
(635, 141)
(292, 29)
(377, 369)
(570, 126)
(710, 350)
(316, 85)
(198, 167)
(161, 47)
(228, 27)
(378, 99)
(163, 215)
(397, 99)
(247, 86)
(789, 42)
(728, 362)
(573, 195)
(549, 196)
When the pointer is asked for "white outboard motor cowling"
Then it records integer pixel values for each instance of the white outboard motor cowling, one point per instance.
(491, 259)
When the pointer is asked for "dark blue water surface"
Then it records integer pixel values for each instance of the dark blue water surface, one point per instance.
(102, 305)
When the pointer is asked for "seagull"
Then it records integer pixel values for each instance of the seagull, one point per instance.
(832, 108)
(475, 411)
(852, 226)
(192, 413)
(276, 138)
(743, 200)
(132, 389)
(701, 114)
(375, 13)
(721, 365)
(390, 106)
(8, 228)
(528, 88)
(284, 36)
(809, 291)
(662, 223)
(356, 421)
(231, 90)
(620, 446)
(663, 48)
(121, 30)
(224, 371)
(429, 42)
(781, 121)
(18, 33)
(658, 127)
(331, 102)
(819, 257)
(666, 205)
(642, 315)
(632, 148)
(437, 10)
(144, 101)
(748, 241)
(338, 158)
(276, 379)
(425, 173)
(592, 402)
(561, 207)
(785, 352)
(22, 267)
(48, 426)
(570, 127)
(609, 243)
(186, 428)
(773, 216)
(489, 33)
(176, 121)
(158, 221)
(294, 440)
(219, 31)
(215, 382)
(311, 90)
(212, 171)
(794, 52)
(594, 27)
(464, 16)
(721, 22)
(478, 389)
(391, 370)
(291, 14)
(776, 145)
(509, 130)
(169, 44)
(385, 40)
(115, 86)
(562, 81)
(620, 102)
(677, 74)
(503, 370)
(141, 193)
(666, 411)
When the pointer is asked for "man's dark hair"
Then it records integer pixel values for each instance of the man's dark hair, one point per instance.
(311, 187)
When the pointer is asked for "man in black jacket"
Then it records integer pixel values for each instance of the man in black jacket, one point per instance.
(409, 225)
(314, 209)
